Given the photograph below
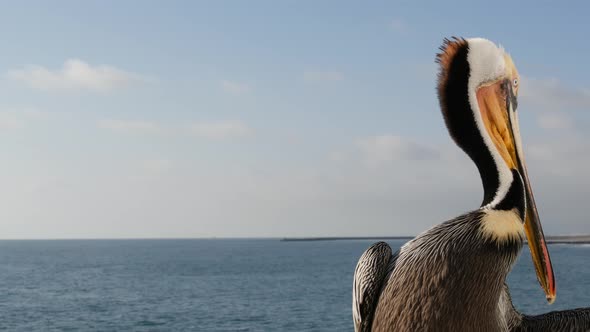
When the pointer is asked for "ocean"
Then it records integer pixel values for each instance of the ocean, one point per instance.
(216, 285)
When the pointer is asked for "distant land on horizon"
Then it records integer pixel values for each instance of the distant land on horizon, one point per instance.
(551, 239)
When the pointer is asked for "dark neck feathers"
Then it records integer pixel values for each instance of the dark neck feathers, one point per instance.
(453, 95)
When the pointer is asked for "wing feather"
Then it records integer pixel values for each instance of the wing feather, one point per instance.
(573, 320)
(369, 275)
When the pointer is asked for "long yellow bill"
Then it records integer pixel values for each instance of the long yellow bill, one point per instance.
(497, 103)
(536, 240)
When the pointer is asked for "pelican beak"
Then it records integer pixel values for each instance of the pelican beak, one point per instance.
(536, 240)
(498, 105)
(532, 224)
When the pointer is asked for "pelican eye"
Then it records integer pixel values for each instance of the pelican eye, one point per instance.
(515, 82)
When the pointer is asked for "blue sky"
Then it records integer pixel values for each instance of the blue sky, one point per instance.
(270, 118)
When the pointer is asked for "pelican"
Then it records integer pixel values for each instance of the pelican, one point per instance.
(452, 276)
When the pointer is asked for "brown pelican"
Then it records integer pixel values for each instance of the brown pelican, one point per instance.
(452, 276)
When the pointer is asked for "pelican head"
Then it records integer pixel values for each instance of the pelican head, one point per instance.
(478, 89)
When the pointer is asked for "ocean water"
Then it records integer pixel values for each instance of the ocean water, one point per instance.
(215, 285)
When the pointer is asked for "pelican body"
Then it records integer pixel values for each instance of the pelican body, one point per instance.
(452, 276)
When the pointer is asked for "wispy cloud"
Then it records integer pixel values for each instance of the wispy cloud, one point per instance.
(220, 130)
(236, 88)
(323, 76)
(75, 74)
(554, 121)
(130, 126)
(563, 155)
(550, 95)
(383, 149)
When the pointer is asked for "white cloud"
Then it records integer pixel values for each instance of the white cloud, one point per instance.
(383, 149)
(551, 95)
(554, 102)
(220, 130)
(236, 88)
(209, 130)
(130, 126)
(74, 75)
(335, 198)
(567, 153)
(322, 76)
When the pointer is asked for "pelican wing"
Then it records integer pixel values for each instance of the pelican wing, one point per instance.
(369, 275)
(575, 320)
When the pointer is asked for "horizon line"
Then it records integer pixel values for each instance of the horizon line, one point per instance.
(586, 236)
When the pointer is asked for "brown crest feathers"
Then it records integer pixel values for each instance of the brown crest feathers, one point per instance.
(449, 84)
(448, 50)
